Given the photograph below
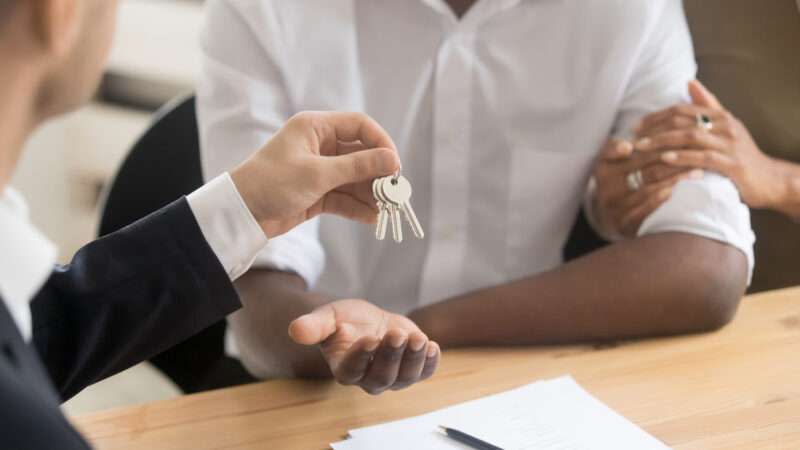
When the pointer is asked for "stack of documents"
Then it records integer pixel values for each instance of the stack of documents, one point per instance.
(548, 415)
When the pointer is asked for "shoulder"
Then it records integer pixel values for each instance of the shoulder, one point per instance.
(280, 23)
(294, 12)
(635, 13)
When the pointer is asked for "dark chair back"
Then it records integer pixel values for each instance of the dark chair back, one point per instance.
(582, 239)
(162, 166)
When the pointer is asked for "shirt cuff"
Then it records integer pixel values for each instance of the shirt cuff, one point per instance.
(227, 224)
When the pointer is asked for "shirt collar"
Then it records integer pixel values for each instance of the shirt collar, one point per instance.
(27, 260)
(485, 8)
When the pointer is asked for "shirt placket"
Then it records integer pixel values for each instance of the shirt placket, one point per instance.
(452, 116)
(453, 90)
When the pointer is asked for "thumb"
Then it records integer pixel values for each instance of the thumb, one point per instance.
(315, 327)
(702, 96)
(360, 166)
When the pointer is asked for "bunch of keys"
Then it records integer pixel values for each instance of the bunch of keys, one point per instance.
(393, 195)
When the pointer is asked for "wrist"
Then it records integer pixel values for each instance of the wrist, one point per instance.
(787, 193)
(421, 319)
(434, 326)
(252, 196)
(240, 178)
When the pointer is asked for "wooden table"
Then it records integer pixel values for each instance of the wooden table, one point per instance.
(735, 389)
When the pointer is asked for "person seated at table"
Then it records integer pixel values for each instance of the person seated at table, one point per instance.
(134, 293)
(499, 109)
(747, 55)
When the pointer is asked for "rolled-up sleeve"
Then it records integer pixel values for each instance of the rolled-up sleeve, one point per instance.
(242, 100)
(709, 207)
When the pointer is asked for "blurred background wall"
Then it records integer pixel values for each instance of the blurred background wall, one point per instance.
(68, 162)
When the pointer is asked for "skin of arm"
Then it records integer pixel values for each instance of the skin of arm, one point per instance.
(352, 340)
(789, 200)
(260, 326)
(657, 285)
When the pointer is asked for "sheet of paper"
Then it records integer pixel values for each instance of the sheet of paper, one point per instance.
(547, 415)
(436, 441)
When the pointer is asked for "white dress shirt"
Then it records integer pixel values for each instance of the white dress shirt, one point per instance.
(28, 257)
(498, 117)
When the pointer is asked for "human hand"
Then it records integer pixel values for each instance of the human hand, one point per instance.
(367, 346)
(620, 209)
(726, 148)
(319, 162)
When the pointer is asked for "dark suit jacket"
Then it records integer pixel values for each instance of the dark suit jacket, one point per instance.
(123, 299)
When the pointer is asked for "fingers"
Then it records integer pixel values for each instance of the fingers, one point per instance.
(349, 147)
(668, 124)
(684, 115)
(611, 173)
(633, 209)
(616, 149)
(432, 357)
(315, 327)
(703, 159)
(702, 96)
(354, 365)
(413, 361)
(334, 127)
(630, 223)
(350, 207)
(394, 363)
(656, 173)
(385, 367)
(681, 139)
(680, 116)
(359, 166)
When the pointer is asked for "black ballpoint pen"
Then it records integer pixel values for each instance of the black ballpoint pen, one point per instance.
(468, 440)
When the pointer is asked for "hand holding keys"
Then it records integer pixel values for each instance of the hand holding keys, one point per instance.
(393, 195)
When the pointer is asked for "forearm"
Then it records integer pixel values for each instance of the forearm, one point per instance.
(271, 301)
(656, 285)
(128, 297)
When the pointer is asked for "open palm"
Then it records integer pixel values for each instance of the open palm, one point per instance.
(367, 346)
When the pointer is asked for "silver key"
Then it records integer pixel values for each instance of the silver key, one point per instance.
(397, 223)
(383, 212)
(397, 192)
(394, 210)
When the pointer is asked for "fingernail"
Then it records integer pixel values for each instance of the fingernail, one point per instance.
(372, 346)
(696, 174)
(625, 148)
(432, 351)
(417, 346)
(669, 157)
(642, 144)
(393, 162)
(397, 341)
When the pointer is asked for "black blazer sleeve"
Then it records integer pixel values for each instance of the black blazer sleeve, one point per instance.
(129, 296)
